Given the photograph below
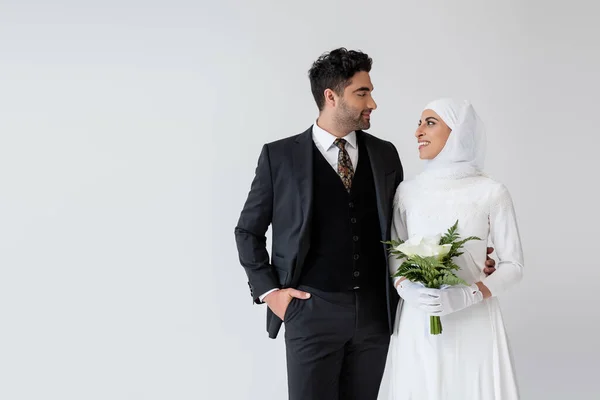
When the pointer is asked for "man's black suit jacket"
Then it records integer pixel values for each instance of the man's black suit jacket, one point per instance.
(281, 195)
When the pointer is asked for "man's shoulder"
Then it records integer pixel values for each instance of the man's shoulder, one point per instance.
(286, 141)
(372, 138)
(376, 141)
(383, 149)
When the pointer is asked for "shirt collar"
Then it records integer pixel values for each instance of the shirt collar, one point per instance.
(326, 139)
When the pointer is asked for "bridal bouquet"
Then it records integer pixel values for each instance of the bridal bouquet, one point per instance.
(429, 260)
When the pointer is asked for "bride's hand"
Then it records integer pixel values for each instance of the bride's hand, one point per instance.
(448, 300)
(409, 291)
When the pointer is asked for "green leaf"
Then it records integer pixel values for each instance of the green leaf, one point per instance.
(394, 243)
(451, 235)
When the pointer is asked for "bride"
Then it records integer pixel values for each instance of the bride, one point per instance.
(471, 359)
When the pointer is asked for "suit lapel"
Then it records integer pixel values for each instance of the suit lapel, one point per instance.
(381, 187)
(302, 169)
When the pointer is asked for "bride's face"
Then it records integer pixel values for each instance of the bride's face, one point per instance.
(432, 134)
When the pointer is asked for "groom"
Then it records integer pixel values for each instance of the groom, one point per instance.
(328, 195)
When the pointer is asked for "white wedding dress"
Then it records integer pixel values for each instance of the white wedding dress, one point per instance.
(471, 359)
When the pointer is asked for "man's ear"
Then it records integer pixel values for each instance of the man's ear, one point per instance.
(330, 97)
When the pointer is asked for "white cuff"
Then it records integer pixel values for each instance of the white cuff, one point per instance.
(507, 274)
(261, 298)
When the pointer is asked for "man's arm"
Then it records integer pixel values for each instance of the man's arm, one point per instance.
(397, 165)
(250, 231)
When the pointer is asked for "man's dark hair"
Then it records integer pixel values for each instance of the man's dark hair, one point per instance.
(334, 69)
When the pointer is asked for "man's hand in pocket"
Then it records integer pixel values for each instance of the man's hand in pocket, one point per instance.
(279, 300)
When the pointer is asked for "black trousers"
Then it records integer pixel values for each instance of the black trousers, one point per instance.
(336, 345)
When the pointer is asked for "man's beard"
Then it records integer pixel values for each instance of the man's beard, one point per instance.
(349, 119)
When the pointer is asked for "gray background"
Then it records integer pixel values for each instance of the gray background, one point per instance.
(130, 132)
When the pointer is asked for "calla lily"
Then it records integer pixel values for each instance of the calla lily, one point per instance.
(424, 246)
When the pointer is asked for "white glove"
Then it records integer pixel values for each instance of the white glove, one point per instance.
(409, 291)
(449, 299)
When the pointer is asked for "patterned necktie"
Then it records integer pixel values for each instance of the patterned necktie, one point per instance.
(344, 165)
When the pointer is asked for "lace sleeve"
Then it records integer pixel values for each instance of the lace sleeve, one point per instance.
(399, 229)
(504, 233)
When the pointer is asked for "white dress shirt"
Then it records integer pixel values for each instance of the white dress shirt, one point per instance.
(324, 142)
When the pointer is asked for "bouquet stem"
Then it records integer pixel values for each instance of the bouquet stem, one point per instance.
(435, 325)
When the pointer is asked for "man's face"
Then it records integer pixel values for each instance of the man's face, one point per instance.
(353, 108)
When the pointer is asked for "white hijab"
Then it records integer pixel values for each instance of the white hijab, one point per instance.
(464, 153)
